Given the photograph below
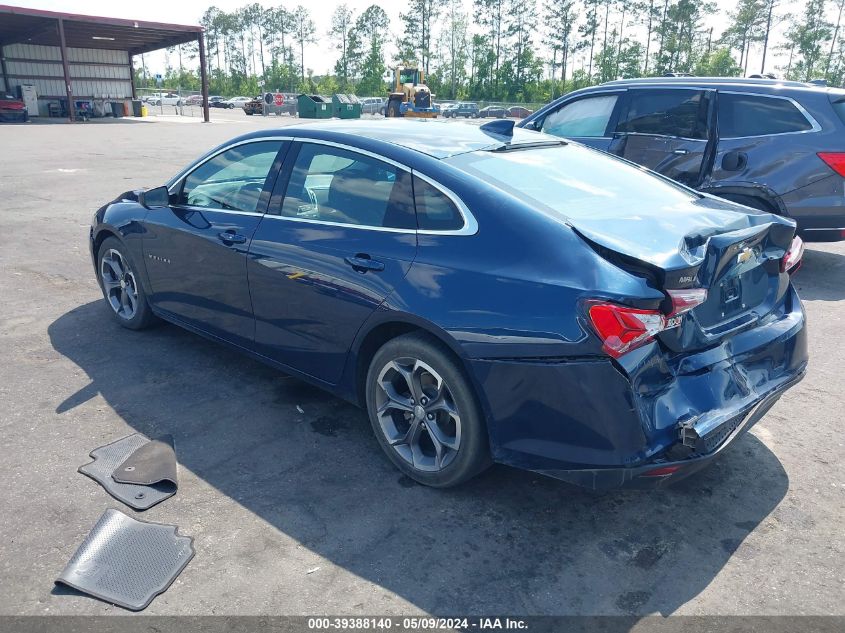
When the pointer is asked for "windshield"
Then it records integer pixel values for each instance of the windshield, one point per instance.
(573, 181)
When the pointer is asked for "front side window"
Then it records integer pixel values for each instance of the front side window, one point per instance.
(757, 115)
(681, 113)
(583, 118)
(232, 180)
(330, 184)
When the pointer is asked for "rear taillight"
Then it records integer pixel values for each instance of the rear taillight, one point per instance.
(684, 300)
(622, 329)
(834, 160)
(791, 262)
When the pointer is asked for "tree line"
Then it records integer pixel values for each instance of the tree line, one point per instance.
(511, 50)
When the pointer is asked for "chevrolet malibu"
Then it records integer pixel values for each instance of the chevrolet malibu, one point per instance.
(488, 294)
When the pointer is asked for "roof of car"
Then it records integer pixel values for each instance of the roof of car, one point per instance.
(439, 139)
(757, 85)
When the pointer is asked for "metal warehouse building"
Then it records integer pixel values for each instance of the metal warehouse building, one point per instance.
(62, 59)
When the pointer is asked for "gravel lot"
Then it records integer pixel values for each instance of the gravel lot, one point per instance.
(292, 506)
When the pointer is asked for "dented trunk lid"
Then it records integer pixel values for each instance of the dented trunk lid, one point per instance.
(731, 251)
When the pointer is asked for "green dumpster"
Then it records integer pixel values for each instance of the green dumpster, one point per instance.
(346, 106)
(314, 107)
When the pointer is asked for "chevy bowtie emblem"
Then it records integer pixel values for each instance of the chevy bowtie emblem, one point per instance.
(744, 255)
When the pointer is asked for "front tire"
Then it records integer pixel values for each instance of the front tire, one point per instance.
(121, 286)
(424, 412)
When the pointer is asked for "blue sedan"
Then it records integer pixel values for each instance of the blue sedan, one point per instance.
(488, 294)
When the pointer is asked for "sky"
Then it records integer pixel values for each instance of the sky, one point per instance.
(320, 57)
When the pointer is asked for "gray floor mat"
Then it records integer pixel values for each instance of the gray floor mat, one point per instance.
(109, 457)
(127, 562)
(154, 462)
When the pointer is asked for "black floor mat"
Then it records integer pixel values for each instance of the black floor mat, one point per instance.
(153, 463)
(109, 457)
(127, 562)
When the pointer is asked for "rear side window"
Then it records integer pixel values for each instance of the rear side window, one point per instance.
(435, 210)
(583, 118)
(757, 115)
(680, 113)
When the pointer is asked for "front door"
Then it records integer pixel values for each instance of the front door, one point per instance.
(589, 120)
(195, 250)
(339, 235)
(667, 130)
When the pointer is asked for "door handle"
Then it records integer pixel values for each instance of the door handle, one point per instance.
(681, 151)
(230, 237)
(363, 262)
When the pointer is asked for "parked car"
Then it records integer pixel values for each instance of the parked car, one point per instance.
(267, 103)
(12, 109)
(194, 100)
(464, 109)
(493, 111)
(217, 102)
(235, 102)
(165, 99)
(519, 112)
(771, 145)
(566, 311)
(254, 106)
(372, 105)
(446, 107)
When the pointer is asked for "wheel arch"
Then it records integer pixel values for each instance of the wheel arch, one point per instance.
(373, 335)
(759, 192)
(105, 231)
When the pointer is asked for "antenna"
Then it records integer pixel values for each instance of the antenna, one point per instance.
(500, 127)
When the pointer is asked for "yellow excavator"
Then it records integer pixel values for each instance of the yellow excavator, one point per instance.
(410, 96)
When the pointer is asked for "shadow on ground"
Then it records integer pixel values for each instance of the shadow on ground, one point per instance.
(822, 276)
(507, 542)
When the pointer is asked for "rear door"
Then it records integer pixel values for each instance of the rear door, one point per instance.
(195, 249)
(668, 130)
(339, 235)
(751, 141)
(589, 119)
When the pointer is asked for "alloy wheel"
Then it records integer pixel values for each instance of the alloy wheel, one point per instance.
(119, 284)
(417, 414)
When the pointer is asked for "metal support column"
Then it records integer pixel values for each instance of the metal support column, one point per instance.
(66, 68)
(132, 76)
(203, 77)
(6, 86)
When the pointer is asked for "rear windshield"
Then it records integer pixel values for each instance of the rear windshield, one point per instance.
(837, 100)
(573, 181)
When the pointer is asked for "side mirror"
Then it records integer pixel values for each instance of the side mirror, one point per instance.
(154, 198)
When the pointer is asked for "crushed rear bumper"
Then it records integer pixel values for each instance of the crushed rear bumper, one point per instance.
(663, 472)
(602, 424)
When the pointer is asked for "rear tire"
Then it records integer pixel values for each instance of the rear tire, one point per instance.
(122, 289)
(424, 412)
